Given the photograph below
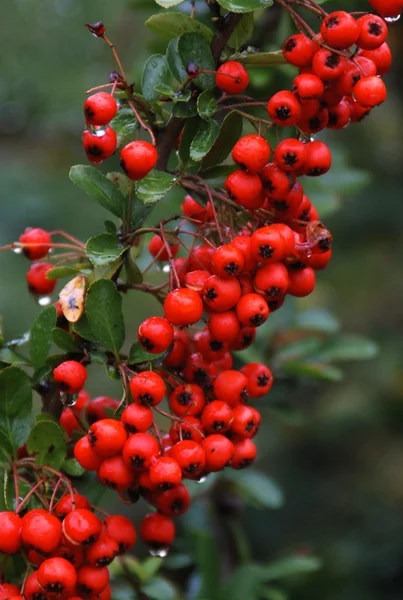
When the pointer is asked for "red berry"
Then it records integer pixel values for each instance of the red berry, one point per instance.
(290, 154)
(227, 261)
(190, 457)
(10, 532)
(115, 474)
(339, 30)
(224, 326)
(137, 159)
(268, 245)
(328, 65)
(100, 108)
(252, 310)
(192, 209)
(107, 437)
(246, 421)
(298, 50)
(156, 248)
(165, 473)
(101, 407)
(81, 527)
(147, 388)
(232, 77)
(37, 282)
(339, 116)
(140, 450)
(302, 282)
(92, 580)
(71, 376)
(370, 91)
(387, 8)
(217, 417)
(382, 57)
(57, 576)
(74, 554)
(276, 182)
(36, 243)
(244, 454)
(284, 108)
(102, 552)
(155, 334)
(221, 294)
(231, 386)
(180, 350)
(188, 429)
(260, 379)
(65, 504)
(272, 281)
(319, 159)
(8, 590)
(137, 418)
(183, 307)
(157, 531)
(85, 455)
(121, 530)
(32, 589)
(373, 32)
(245, 189)
(173, 502)
(219, 451)
(41, 531)
(69, 422)
(99, 145)
(251, 152)
(187, 399)
(308, 86)
(210, 348)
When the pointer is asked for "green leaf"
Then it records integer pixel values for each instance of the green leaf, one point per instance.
(134, 275)
(59, 272)
(158, 588)
(169, 3)
(347, 347)
(204, 139)
(185, 110)
(206, 104)
(230, 132)
(124, 184)
(171, 24)
(318, 319)
(140, 212)
(110, 226)
(241, 585)
(195, 47)
(162, 89)
(10, 357)
(105, 271)
(103, 307)
(272, 593)
(175, 66)
(244, 6)
(299, 349)
(242, 32)
(125, 124)
(82, 328)
(208, 562)
(15, 408)
(263, 59)
(138, 355)
(103, 249)
(155, 186)
(100, 188)
(287, 567)
(155, 71)
(216, 176)
(41, 336)
(313, 370)
(72, 467)
(256, 488)
(189, 132)
(47, 441)
(63, 340)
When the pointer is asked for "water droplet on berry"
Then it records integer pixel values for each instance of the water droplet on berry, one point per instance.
(43, 300)
(166, 269)
(68, 399)
(99, 131)
(17, 250)
(160, 553)
(201, 479)
(392, 19)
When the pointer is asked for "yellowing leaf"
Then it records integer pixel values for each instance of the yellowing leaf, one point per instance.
(71, 299)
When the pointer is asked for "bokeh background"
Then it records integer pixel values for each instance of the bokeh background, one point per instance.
(340, 463)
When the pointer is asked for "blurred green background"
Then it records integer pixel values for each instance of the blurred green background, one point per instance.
(341, 468)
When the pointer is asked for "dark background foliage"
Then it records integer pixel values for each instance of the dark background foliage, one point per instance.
(339, 458)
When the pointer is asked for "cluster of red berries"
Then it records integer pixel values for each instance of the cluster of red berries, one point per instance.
(68, 550)
(35, 244)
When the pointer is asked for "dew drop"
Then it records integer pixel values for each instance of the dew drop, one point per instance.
(99, 131)
(160, 552)
(68, 399)
(43, 300)
(17, 250)
(392, 19)
(201, 479)
(166, 269)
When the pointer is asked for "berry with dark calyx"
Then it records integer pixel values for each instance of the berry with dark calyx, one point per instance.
(227, 261)
(137, 159)
(37, 281)
(187, 399)
(147, 388)
(10, 532)
(268, 245)
(165, 473)
(140, 450)
(85, 455)
(81, 527)
(102, 552)
(232, 77)
(284, 108)
(231, 386)
(308, 87)
(35, 243)
(299, 50)
(65, 504)
(328, 65)
(244, 454)
(190, 428)
(252, 310)
(190, 457)
(122, 530)
(155, 334)
(41, 531)
(183, 307)
(70, 376)
(74, 554)
(373, 32)
(100, 108)
(339, 30)
(57, 576)
(99, 145)
(245, 189)
(260, 379)
(290, 154)
(221, 294)
(272, 281)
(224, 326)
(251, 152)
(319, 159)
(339, 116)
(107, 437)
(217, 417)
(114, 473)
(172, 502)
(137, 418)
(92, 580)
(157, 531)
(246, 421)
(276, 182)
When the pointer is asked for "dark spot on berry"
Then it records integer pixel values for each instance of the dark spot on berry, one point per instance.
(166, 486)
(137, 461)
(244, 394)
(55, 588)
(331, 22)
(375, 29)
(290, 159)
(211, 294)
(176, 506)
(130, 428)
(355, 78)
(316, 171)
(280, 205)
(90, 540)
(184, 398)
(325, 244)
(92, 438)
(332, 61)
(304, 216)
(314, 123)
(272, 292)
(122, 164)
(38, 596)
(262, 380)
(256, 320)
(122, 548)
(290, 45)
(216, 346)
(218, 425)
(155, 545)
(147, 344)
(283, 113)
(186, 435)
(192, 468)
(266, 251)
(200, 376)
(95, 151)
(246, 340)
(104, 561)
(84, 589)
(246, 462)
(89, 113)
(250, 425)
(146, 399)
(232, 268)
(333, 118)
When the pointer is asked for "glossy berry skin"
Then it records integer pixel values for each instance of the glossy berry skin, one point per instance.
(298, 50)
(267, 245)
(38, 284)
(246, 421)
(69, 422)
(65, 505)
(71, 376)
(157, 248)
(155, 334)
(302, 282)
(217, 417)
(32, 589)
(172, 502)
(244, 454)
(339, 30)
(231, 386)
(284, 108)
(81, 527)
(290, 154)
(328, 65)
(224, 327)
(260, 379)
(219, 451)
(140, 450)
(137, 418)
(165, 473)
(183, 307)
(40, 240)
(252, 310)
(102, 552)
(221, 295)
(387, 8)
(319, 159)
(147, 388)
(251, 152)
(10, 532)
(190, 457)
(180, 350)
(122, 530)
(370, 91)
(187, 399)
(41, 531)
(232, 77)
(339, 116)
(382, 57)
(272, 281)
(92, 580)
(57, 576)
(85, 455)
(276, 182)
(308, 87)
(189, 429)
(115, 474)
(191, 208)
(137, 159)
(373, 32)
(227, 261)
(8, 590)
(101, 407)
(157, 531)
(100, 108)
(74, 554)
(245, 189)
(99, 145)
(107, 437)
